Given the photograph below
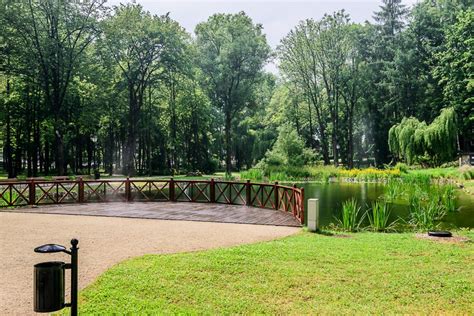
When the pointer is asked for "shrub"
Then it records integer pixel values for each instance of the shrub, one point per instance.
(288, 150)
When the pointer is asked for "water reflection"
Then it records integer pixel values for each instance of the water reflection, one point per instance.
(332, 195)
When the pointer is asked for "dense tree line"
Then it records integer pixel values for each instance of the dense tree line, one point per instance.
(86, 86)
(356, 81)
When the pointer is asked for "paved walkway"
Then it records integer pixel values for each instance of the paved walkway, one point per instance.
(105, 241)
(203, 212)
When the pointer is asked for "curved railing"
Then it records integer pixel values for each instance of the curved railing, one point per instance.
(262, 195)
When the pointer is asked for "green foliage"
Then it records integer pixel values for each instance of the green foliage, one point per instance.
(350, 220)
(468, 174)
(252, 174)
(393, 190)
(289, 150)
(416, 142)
(83, 85)
(425, 215)
(231, 52)
(455, 69)
(379, 217)
(7, 196)
(448, 198)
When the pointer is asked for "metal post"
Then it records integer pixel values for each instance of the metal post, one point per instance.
(313, 215)
(74, 285)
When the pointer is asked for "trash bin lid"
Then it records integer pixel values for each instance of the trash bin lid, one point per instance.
(50, 248)
(49, 265)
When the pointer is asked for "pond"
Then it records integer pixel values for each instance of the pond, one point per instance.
(331, 196)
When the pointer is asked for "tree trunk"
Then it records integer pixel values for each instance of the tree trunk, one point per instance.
(228, 146)
(350, 151)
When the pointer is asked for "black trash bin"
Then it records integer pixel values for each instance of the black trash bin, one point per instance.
(48, 286)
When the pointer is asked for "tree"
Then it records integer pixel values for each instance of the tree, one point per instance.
(56, 33)
(232, 52)
(140, 44)
(288, 150)
(455, 72)
(299, 63)
(417, 142)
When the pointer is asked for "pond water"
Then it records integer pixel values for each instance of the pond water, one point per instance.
(332, 195)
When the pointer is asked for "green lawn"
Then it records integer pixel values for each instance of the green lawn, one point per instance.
(304, 274)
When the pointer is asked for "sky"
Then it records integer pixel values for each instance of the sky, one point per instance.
(278, 17)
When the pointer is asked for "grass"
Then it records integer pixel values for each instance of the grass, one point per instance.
(367, 273)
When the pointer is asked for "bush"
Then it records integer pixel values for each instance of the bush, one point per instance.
(288, 150)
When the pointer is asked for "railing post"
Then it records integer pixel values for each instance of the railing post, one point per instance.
(302, 206)
(31, 192)
(128, 192)
(80, 186)
(295, 204)
(248, 193)
(212, 191)
(275, 193)
(172, 191)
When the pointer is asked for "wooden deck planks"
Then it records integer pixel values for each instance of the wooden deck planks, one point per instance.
(185, 211)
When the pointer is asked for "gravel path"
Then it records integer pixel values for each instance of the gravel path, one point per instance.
(103, 242)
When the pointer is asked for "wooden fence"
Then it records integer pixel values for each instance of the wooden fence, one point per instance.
(261, 195)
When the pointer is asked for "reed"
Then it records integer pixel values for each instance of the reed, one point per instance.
(350, 220)
(448, 198)
(393, 190)
(379, 217)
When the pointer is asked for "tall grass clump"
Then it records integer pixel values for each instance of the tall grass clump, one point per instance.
(427, 206)
(393, 190)
(426, 216)
(448, 198)
(350, 220)
(379, 216)
(252, 174)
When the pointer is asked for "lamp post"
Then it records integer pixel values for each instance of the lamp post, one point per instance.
(49, 280)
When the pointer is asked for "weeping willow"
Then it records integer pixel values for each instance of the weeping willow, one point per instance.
(416, 142)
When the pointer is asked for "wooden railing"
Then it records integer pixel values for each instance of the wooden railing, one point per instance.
(261, 195)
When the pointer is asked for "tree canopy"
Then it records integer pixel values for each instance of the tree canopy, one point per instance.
(86, 88)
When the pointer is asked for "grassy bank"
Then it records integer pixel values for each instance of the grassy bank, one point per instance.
(365, 273)
(331, 173)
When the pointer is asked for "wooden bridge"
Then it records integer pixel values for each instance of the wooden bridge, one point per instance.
(226, 197)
